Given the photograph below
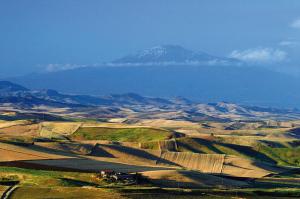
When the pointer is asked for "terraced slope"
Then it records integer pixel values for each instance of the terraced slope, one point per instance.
(220, 164)
(168, 145)
(207, 163)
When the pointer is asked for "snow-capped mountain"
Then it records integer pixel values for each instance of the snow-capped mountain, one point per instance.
(176, 72)
(173, 54)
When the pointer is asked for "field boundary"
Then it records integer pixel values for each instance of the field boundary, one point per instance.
(9, 191)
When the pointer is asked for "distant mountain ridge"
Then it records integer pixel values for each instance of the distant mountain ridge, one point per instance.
(19, 95)
(8, 87)
(173, 54)
(16, 96)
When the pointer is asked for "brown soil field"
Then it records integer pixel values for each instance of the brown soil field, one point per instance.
(20, 130)
(207, 163)
(70, 155)
(127, 154)
(191, 179)
(242, 167)
(111, 125)
(96, 164)
(168, 123)
(220, 164)
(82, 149)
(11, 152)
(37, 166)
(63, 193)
(3, 189)
(4, 124)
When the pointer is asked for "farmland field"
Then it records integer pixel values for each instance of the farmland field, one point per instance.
(121, 134)
(66, 157)
(56, 184)
(81, 118)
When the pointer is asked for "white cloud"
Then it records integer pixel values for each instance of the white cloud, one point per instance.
(259, 55)
(296, 23)
(59, 67)
(288, 43)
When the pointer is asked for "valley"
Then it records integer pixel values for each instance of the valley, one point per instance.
(221, 149)
(149, 99)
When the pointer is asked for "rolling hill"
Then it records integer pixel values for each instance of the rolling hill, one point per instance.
(131, 105)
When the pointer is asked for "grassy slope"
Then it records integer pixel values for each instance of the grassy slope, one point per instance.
(286, 156)
(29, 177)
(283, 155)
(121, 134)
(199, 145)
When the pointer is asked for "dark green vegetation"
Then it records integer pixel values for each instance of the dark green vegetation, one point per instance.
(122, 134)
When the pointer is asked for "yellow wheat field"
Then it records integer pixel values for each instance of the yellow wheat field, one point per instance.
(50, 129)
(207, 163)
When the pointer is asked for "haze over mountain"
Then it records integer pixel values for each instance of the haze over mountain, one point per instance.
(173, 54)
(175, 71)
(16, 97)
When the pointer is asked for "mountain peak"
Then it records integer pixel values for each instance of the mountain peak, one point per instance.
(170, 54)
(163, 50)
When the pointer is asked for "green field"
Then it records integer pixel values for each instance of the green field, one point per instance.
(121, 134)
(31, 177)
(285, 156)
(199, 145)
(281, 154)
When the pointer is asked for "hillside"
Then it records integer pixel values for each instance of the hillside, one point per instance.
(131, 106)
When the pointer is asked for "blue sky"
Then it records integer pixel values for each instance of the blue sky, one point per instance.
(36, 33)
